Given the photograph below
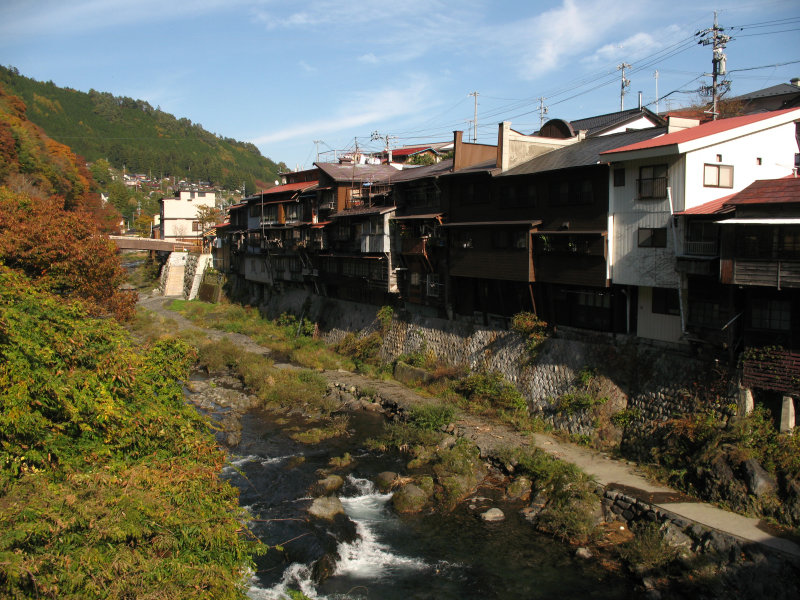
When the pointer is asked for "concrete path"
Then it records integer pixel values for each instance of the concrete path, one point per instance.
(609, 472)
(617, 474)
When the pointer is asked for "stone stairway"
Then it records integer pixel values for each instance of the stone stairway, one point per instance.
(173, 287)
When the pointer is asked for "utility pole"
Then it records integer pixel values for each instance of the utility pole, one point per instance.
(716, 39)
(377, 136)
(624, 85)
(475, 120)
(656, 77)
(543, 110)
(317, 143)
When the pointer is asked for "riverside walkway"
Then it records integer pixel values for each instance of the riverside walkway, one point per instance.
(489, 436)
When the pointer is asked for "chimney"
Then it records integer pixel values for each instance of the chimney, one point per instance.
(457, 154)
(679, 123)
(640, 100)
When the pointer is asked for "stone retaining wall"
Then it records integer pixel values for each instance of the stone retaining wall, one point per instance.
(654, 381)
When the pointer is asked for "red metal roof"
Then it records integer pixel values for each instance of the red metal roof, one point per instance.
(709, 208)
(407, 151)
(289, 187)
(700, 131)
(769, 191)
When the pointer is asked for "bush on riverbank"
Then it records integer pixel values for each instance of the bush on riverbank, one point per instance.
(565, 496)
(88, 420)
(743, 462)
(287, 340)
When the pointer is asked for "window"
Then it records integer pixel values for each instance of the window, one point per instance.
(789, 242)
(666, 301)
(292, 212)
(701, 238)
(196, 226)
(759, 162)
(719, 157)
(718, 176)
(652, 182)
(619, 177)
(201, 194)
(771, 314)
(415, 278)
(652, 237)
(520, 240)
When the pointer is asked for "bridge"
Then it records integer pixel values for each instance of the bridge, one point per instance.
(137, 243)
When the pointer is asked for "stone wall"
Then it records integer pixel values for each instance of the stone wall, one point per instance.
(654, 381)
(193, 274)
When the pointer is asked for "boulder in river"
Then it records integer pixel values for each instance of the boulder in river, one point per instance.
(409, 498)
(520, 488)
(385, 480)
(326, 507)
(330, 485)
(493, 514)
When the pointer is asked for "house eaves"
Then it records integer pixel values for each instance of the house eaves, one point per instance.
(703, 136)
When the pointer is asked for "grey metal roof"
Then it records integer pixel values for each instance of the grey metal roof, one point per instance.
(775, 90)
(362, 173)
(363, 210)
(599, 123)
(583, 153)
(411, 174)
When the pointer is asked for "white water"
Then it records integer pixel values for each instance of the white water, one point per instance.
(367, 557)
(237, 462)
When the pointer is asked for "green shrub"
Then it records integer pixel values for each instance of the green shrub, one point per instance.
(648, 550)
(100, 424)
(431, 416)
(532, 329)
(492, 389)
(361, 349)
(626, 416)
(385, 315)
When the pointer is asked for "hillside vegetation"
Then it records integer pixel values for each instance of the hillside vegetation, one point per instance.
(109, 482)
(144, 139)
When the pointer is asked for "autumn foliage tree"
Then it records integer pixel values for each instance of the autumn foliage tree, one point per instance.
(52, 226)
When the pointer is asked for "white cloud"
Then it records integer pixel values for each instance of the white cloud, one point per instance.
(21, 18)
(371, 106)
(368, 58)
(307, 67)
(549, 40)
(634, 47)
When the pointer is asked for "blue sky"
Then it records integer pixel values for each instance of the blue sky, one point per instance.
(283, 74)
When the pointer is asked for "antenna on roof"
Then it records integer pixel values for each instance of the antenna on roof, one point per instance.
(624, 85)
(543, 110)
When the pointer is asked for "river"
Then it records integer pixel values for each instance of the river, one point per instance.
(379, 554)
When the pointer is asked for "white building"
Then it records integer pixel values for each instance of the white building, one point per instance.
(652, 180)
(178, 216)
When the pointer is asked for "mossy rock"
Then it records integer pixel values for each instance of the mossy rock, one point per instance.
(385, 480)
(519, 489)
(409, 499)
(455, 488)
(425, 483)
(330, 485)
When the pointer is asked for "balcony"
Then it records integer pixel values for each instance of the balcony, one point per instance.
(769, 273)
(700, 248)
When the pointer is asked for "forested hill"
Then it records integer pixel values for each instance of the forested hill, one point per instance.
(142, 138)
